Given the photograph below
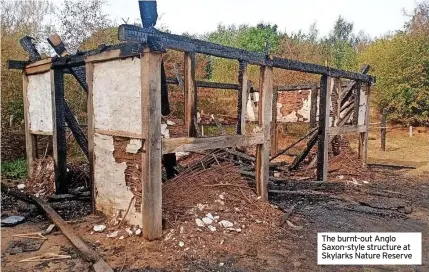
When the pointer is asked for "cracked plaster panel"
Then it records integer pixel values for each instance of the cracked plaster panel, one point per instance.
(362, 108)
(40, 102)
(112, 194)
(117, 95)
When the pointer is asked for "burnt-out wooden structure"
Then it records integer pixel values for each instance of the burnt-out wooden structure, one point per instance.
(124, 144)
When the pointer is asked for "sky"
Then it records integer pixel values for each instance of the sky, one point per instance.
(375, 17)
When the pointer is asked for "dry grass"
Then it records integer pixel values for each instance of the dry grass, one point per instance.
(400, 147)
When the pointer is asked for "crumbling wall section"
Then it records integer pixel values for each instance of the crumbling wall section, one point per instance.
(294, 106)
(112, 194)
(39, 98)
(117, 163)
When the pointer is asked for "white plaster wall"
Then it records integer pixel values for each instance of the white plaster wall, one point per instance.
(116, 95)
(362, 107)
(112, 193)
(40, 102)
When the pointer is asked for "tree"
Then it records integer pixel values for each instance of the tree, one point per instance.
(401, 64)
(18, 18)
(79, 19)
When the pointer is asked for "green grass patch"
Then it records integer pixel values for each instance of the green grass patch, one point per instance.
(16, 169)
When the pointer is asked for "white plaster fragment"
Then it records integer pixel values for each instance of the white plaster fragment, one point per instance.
(134, 146)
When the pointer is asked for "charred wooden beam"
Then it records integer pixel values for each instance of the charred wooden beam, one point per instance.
(75, 128)
(28, 45)
(326, 85)
(137, 34)
(348, 92)
(304, 153)
(281, 152)
(207, 84)
(313, 106)
(295, 87)
(242, 97)
(59, 132)
(17, 64)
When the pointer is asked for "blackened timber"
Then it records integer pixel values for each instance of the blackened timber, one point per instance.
(356, 94)
(348, 92)
(17, 64)
(59, 132)
(241, 98)
(297, 87)
(313, 106)
(304, 153)
(75, 128)
(77, 72)
(292, 145)
(137, 34)
(207, 84)
(323, 138)
(28, 45)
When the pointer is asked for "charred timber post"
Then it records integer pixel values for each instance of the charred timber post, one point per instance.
(326, 85)
(274, 143)
(356, 94)
(151, 158)
(137, 34)
(59, 132)
(264, 122)
(30, 139)
(190, 95)
(313, 106)
(74, 126)
(79, 74)
(242, 98)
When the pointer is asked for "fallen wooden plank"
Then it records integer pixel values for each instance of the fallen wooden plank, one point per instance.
(189, 144)
(85, 251)
(304, 153)
(396, 166)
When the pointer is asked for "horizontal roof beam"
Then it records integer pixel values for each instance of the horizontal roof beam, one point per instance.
(137, 34)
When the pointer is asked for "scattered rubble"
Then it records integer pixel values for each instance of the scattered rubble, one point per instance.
(99, 228)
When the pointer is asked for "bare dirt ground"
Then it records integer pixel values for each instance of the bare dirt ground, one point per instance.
(356, 199)
(395, 204)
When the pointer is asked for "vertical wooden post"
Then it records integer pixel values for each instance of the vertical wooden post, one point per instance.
(383, 130)
(89, 68)
(190, 95)
(30, 140)
(274, 143)
(151, 132)
(363, 136)
(326, 85)
(356, 94)
(313, 107)
(264, 121)
(242, 97)
(59, 131)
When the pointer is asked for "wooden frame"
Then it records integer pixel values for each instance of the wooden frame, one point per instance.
(30, 141)
(59, 131)
(151, 157)
(264, 122)
(89, 68)
(38, 67)
(190, 95)
(326, 86)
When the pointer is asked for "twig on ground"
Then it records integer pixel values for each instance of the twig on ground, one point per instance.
(125, 215)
